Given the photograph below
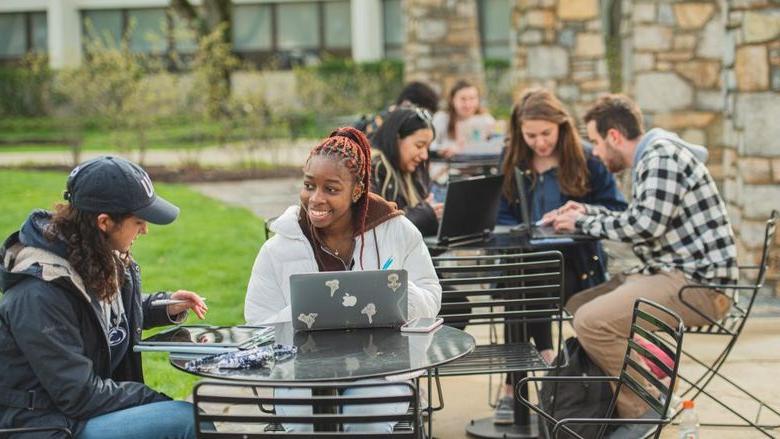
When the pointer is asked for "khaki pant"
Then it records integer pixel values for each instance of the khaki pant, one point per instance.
(602, 319)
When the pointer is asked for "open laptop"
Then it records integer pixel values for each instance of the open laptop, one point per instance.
(527, 226)
(348, 299)
(470, 210)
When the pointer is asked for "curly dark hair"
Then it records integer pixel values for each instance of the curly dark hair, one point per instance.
(89, 252)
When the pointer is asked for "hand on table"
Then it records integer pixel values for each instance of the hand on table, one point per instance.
(570, 207)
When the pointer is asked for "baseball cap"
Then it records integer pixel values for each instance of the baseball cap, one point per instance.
(115, 185)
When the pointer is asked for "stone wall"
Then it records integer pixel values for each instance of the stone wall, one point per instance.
(560, 46)
(674, 54)
(706, 69)
(442, 43)
(751, 159)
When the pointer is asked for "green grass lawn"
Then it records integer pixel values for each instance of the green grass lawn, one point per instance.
(209, 249)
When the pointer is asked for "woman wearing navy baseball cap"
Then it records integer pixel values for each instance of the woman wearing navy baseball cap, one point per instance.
(72, 309)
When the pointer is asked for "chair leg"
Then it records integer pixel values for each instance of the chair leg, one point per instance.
(763, 428)
(710, 370)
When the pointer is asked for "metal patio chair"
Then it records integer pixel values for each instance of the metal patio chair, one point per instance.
(743, 296)
(655, 325)
(211, 398)
(503, 289)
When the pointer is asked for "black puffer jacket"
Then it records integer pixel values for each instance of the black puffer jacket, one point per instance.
(54, 343)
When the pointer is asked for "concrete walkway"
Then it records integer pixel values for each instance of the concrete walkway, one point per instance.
(753, 363)
(273, 152)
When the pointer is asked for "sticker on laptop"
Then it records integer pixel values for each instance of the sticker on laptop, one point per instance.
(348, 300)
(308, 319)
(369, 310)
(333, 284)
(393, 281)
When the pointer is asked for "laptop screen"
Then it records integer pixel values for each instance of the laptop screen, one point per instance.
(470, 207)
(523, 197)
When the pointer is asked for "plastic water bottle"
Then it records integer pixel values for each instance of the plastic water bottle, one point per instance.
(689, 422)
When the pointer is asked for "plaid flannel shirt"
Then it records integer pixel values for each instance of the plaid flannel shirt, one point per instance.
(676, 219)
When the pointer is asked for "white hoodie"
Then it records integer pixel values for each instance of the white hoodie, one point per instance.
(289, 252)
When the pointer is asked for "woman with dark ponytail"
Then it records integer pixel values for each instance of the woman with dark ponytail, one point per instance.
(339, 225)
(399, 164)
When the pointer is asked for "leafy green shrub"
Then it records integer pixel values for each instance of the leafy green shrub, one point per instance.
(340, 87)
(24, 90)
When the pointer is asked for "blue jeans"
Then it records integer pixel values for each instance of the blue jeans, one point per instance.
(158, 420)
(398, 408)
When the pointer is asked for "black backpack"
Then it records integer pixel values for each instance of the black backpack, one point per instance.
(578, 399)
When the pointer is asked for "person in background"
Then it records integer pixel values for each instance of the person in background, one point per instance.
(415, 94)
(340, 225)
(464, 119)
(399, 161)
(679, 228)
(72, 310)
(544, 144)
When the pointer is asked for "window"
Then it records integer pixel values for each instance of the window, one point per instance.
(393, 29)
(299, 27)
(149, 30)
(252, 27)
(21, 33)
(292, 32)
(338, 25)
(105, 26)
(494, 26)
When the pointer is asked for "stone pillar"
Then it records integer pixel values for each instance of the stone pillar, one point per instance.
(751, 159)
(560, 45)
(675, 63)
(64, 33)
(366, 30)
(442, 43)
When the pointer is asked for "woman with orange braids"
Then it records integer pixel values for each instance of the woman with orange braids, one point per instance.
(339, 225)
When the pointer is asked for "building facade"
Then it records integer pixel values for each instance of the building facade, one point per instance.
(279, 33)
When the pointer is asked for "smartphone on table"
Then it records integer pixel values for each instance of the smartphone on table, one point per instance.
(422, 324)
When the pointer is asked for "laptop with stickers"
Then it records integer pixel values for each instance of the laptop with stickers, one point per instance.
(348, 299)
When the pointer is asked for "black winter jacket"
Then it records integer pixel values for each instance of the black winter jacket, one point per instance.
(385, 185)
(53, 343)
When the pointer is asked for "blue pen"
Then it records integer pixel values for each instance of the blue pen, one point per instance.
(387, 263)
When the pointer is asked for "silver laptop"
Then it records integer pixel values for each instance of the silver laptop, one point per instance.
(470, 211)
(348, 299)
(534, 231)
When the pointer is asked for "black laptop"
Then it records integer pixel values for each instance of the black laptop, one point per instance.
(470, 210)
(534, 231)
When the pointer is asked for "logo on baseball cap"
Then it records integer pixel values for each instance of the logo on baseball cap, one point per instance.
(115, 185)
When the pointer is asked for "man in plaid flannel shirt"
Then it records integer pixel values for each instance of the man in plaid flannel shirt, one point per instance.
(678, 226)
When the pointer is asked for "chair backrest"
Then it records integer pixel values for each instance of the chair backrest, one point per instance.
(769, 240)
(237, 409)
(656, 338)
(505, 288)
(745, 295)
